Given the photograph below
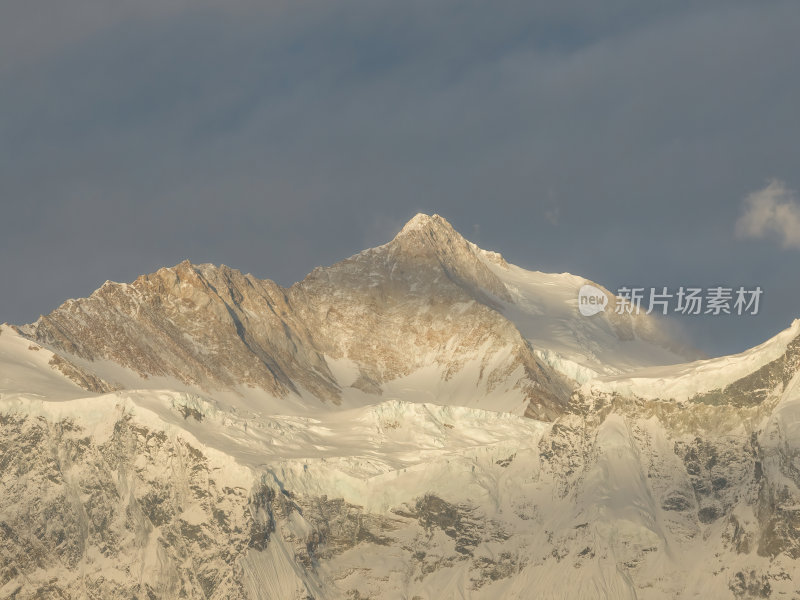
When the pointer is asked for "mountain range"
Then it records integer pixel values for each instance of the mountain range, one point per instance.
(422, 420)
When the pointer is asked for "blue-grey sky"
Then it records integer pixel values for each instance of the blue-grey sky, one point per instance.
(617, 140)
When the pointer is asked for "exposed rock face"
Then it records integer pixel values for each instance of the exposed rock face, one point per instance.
(756, 387)
(80, 377)
(425, 298)
(148, 511)
(204, 325)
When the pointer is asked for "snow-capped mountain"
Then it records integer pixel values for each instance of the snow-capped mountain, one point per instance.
(427, 307)
(421, 420)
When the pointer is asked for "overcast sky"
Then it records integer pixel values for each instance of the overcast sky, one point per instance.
(650, 144)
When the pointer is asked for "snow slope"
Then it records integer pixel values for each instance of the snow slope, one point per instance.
(687, 380)
(544, 306)
(24, 366)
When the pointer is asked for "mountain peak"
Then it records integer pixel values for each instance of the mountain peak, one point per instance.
(423, 222)
(430, 240)
(432, 232)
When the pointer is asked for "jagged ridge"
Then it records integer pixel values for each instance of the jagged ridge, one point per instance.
(427, 297)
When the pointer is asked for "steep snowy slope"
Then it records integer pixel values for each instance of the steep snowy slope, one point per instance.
(544, 307)
(751, 374)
